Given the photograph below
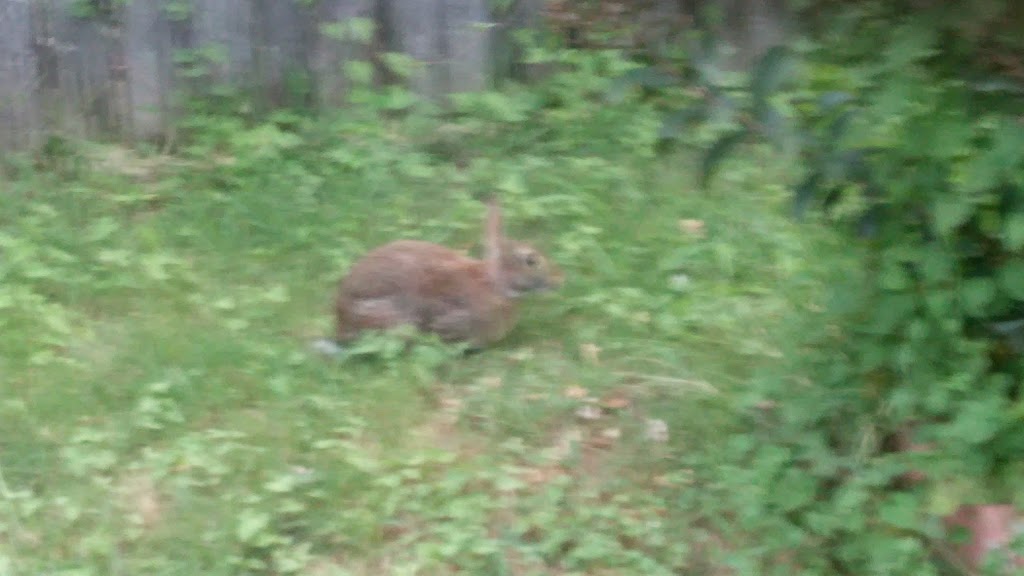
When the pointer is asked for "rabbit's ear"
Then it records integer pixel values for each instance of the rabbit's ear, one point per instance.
(492, 240)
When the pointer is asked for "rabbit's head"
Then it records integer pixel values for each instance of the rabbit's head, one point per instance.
(517, 267)
(524, 270)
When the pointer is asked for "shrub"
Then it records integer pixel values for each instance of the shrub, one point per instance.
(914, 372)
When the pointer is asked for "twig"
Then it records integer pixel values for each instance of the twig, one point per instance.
(700, 384)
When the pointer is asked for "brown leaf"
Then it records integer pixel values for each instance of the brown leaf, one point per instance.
(611, 433)
(692, 227)
(590, 352)
(615, 402)
(576, 392)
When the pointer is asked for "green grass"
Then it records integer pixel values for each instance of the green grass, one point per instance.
(162, 412)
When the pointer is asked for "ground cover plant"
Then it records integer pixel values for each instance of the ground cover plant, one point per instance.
(161, 411)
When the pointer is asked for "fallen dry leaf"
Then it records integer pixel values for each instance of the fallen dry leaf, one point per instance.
(536, 476)
(576, 392)
(692, 227)
(451, 404)
(615, 402)
(140, 499)
(588, 412)
(491, 381)
(590, 352)
(656, 430)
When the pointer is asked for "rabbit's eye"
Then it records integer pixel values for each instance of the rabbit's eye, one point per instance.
(531, 260)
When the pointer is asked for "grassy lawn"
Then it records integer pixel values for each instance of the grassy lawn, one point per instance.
(162, 412)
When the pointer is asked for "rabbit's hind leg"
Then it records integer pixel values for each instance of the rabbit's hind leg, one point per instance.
(378, 314)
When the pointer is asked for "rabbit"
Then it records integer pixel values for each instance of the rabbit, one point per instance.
(439, 290)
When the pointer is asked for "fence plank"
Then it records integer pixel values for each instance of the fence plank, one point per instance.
(467, 33)
(147, 52)
(331, 53)
(282, 41)
(412, 27)
(19, 114)
(226, 27)
(90, 91)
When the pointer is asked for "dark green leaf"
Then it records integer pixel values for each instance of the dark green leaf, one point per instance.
(717, 153)
(867, 224)
(891, 311)
(837, 130)
(1008, 327)
(674, 123)
(806, 192)
(774, 125)
(800, 490)
(722, 107)
(901, 511)
(1013, 231)
(1004, 85)
(950, 213)
(1011, 279)
(830, 100)
(1013, 331)
(770, 73)
(979, 419)
(976, 295)
(650, 78)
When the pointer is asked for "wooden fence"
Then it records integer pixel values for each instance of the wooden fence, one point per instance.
(118, 67)
(91, 67)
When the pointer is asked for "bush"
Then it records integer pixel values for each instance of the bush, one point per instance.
(914, 372)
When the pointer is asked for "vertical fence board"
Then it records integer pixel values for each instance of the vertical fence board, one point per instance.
(525, 14)
(467, 33)
(90, 91)
(226, 25)
(413, 28)
(153, 39)
(330, 53)
(282, 40)
(146, 53)
(18, 112)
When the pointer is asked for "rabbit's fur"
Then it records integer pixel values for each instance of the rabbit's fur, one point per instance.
(437, 289)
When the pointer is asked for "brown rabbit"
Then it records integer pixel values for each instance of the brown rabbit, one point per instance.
(437, 289)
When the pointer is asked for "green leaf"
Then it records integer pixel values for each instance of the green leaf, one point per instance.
(901, 511)
(1013, 231)
(830, 100)
(774, 125)
(770, 74)
(947, 496)
(250, 524)
(891, 311)
(950, 213)
(800, 490)
(976, 295)
(909, 43)
(674, 123)
(649, 77)
(1011, 278)
(717, 153)
(805, 192)
(978, 421)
